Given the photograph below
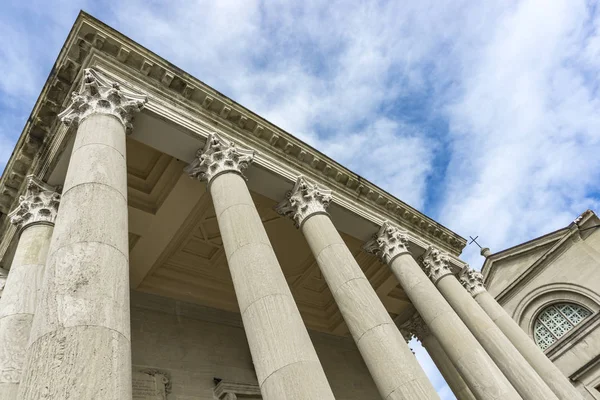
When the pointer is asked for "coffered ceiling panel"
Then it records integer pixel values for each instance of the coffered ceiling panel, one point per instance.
(176, 248)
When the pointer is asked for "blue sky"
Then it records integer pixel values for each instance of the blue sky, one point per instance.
(483, 115)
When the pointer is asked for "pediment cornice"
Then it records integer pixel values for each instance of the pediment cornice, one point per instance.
(90, 37)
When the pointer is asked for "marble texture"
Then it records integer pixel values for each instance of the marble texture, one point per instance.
(80, 340)
(18, 304)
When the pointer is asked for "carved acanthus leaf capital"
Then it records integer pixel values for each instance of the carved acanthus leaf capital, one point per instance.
(38, 205)
(305, 199)
(98, 95)
(388, 243)
(414, 327)
(217, 157)
(472, 281)
(436, 264)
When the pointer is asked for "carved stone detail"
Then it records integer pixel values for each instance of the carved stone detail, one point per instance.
(218, 157)
(98, 95)
(38, 205)
(436, 264)
(414, 327)
(388, 243)
(472, 281)
(3, 277)
(304, 200)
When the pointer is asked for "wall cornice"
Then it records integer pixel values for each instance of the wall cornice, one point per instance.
(44, 137)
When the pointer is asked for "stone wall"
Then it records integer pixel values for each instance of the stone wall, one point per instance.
(194, 345)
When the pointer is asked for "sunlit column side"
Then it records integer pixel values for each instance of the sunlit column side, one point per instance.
(34, 217)
(415, 327)
(554, 378)
(393, 367)
(286, 363)
(80, 340)
(477, 369)
(514, 366)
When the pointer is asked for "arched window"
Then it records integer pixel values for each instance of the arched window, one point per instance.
(556, 320)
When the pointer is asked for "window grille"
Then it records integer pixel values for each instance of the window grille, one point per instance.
(556, 320)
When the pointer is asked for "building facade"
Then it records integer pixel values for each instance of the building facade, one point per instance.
(551, 287)
(164, 242)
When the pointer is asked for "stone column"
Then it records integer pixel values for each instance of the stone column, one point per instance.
(80, 340)
(285, 360)
(514, 366)
(484, 378)
(554, 378)
(417, 328)
(34, 217)
(394, 368)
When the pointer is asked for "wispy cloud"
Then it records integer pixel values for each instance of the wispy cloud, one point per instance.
(483, 115)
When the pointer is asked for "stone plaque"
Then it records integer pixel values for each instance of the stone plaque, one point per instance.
(150, 384)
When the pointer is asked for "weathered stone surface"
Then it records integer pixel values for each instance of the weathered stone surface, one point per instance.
(514, 366)
(546, 369)
(18, 304)
(80, 341)
(87, 362)
(393, 367)
(305, 199)
(149, 384)
(483, 377)
(286, 363)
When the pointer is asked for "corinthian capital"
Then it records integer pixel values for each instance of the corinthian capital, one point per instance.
(218, 157)
(305, 199)
(414, 326)
(436, 264)
(38, 205)
(98, 95)
(472, 281)
(388, 243)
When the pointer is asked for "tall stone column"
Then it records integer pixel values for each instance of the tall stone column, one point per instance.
(80, 340)
(514, 366)
(35, 217)
(287, 366)
(484, 378)
(393, 367)
(554, 378)
(416, 327)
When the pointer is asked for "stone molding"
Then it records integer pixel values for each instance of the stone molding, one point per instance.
(38, 205)
(472, 281)
(98, 95)
(305, 200)
(226, 390)
(218, 157)
(436, 264)
(389, 243)
(414, 327)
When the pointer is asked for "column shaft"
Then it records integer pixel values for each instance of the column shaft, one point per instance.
(18, 303)
(546, 369)
(286, 363)
(447, 369)
(481, 374)
(80, 341)
(518, 371)
(394, 368)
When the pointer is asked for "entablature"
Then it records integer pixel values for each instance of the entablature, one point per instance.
(197, 110)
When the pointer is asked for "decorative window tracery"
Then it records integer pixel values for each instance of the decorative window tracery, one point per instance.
(556, 320)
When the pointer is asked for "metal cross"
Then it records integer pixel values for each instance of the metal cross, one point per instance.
(474, 240)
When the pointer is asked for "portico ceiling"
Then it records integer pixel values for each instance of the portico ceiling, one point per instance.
(176, 249)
